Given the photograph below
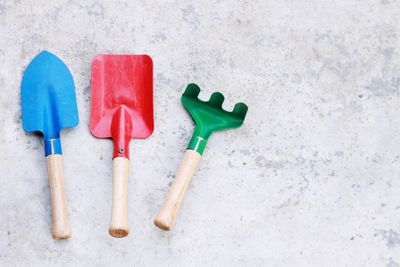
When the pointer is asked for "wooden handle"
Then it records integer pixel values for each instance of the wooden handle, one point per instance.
(119, 214)
(166, 216)
(61, 228)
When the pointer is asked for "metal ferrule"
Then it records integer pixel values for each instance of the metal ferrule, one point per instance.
(197, 143)
(52, 146)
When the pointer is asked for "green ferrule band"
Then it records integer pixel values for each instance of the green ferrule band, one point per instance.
(197, 143)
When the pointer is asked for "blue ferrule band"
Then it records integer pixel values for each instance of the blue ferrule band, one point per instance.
(52, 146)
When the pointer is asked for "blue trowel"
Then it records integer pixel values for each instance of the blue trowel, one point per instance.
(48, 105)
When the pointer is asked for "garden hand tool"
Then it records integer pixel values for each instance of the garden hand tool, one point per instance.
(209, 117)
(121, 109)
(48, 105)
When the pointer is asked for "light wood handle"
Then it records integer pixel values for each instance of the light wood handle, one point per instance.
(166, 216)
(61, 228)
(119, 214)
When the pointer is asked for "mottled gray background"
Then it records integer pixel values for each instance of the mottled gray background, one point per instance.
(311, 179)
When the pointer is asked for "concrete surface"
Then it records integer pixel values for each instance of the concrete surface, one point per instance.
(312, 179)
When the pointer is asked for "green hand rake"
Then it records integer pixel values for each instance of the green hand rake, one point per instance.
(209, 117)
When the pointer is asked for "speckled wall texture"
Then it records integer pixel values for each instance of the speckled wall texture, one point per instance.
(311, 179)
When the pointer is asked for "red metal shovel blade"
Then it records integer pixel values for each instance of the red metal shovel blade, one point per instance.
(122, 99)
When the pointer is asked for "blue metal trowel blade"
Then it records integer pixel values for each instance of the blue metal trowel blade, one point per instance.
(48, 99)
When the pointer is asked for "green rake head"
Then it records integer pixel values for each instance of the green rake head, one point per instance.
(209, 116)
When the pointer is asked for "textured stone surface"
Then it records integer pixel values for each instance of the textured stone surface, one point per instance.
(312, 179)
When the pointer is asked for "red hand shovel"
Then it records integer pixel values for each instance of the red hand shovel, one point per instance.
(121, 109)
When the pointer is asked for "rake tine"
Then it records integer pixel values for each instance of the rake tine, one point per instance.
(240, 110)
(192, 90)
(216, 100)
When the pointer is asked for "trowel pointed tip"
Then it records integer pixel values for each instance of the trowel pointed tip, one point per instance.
(46, 54)
(42, 61)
